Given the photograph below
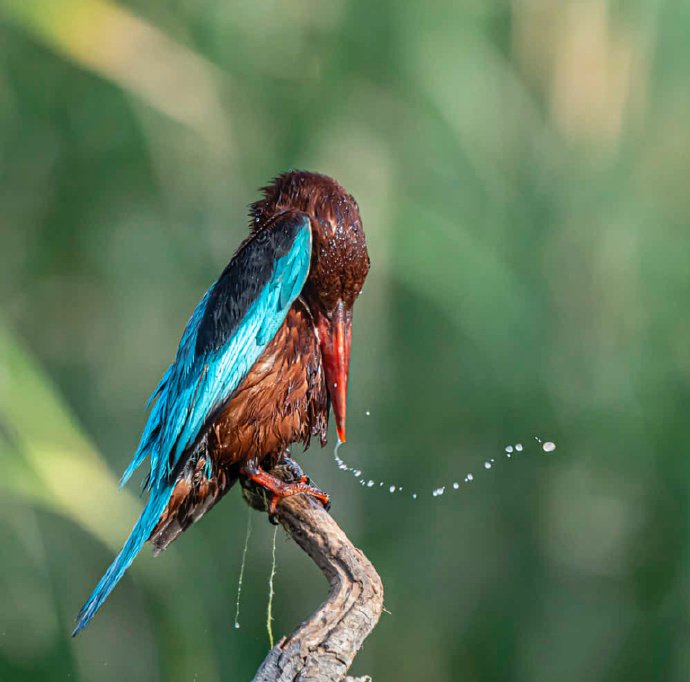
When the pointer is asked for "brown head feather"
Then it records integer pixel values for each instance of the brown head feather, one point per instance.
(340, 261)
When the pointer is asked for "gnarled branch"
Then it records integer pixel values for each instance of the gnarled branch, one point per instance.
(324, 646)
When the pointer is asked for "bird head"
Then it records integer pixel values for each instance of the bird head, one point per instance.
(339, 266)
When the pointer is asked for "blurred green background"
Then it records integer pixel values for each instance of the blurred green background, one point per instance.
(522, 170)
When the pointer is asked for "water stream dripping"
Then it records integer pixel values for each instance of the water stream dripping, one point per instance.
(247, 535)
(271, 591)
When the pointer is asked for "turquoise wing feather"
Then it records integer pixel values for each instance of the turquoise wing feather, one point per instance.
(227, 332)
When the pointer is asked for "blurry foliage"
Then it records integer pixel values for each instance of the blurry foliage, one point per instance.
(522, 173)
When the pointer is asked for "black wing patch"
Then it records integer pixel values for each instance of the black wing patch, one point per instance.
(243, 279)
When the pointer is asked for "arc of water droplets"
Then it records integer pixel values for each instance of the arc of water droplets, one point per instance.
(517, 448)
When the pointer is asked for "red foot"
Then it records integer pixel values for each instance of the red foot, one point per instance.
(280, 489)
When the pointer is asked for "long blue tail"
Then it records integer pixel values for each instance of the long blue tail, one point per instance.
(155, 507)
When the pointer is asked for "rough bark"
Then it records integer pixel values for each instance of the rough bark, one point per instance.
(324, 646)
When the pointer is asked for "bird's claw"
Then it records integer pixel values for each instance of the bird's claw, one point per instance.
(295, 470)
(278, 489)
(301, 488)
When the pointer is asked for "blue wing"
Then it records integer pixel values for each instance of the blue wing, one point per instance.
(227, 332)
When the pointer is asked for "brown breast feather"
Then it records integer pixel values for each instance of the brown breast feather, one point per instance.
(282, 400)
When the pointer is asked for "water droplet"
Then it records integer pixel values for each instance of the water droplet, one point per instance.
(357, 473)
(518, 447)
(391, 489)
(237, 626)
(456, 485)
(335, 384)
(509, 449)
(368, 413)
(370, 484)
(469, 478)
(414, 496)
(537, 439)
(381, 484)
(508, 455)
(487, 465)
(548, 446)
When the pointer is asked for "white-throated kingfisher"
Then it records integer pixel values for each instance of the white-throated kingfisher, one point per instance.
(263, 359)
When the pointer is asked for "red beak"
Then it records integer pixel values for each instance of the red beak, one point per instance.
(335, 335)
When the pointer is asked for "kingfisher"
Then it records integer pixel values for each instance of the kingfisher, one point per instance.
(263, 360)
